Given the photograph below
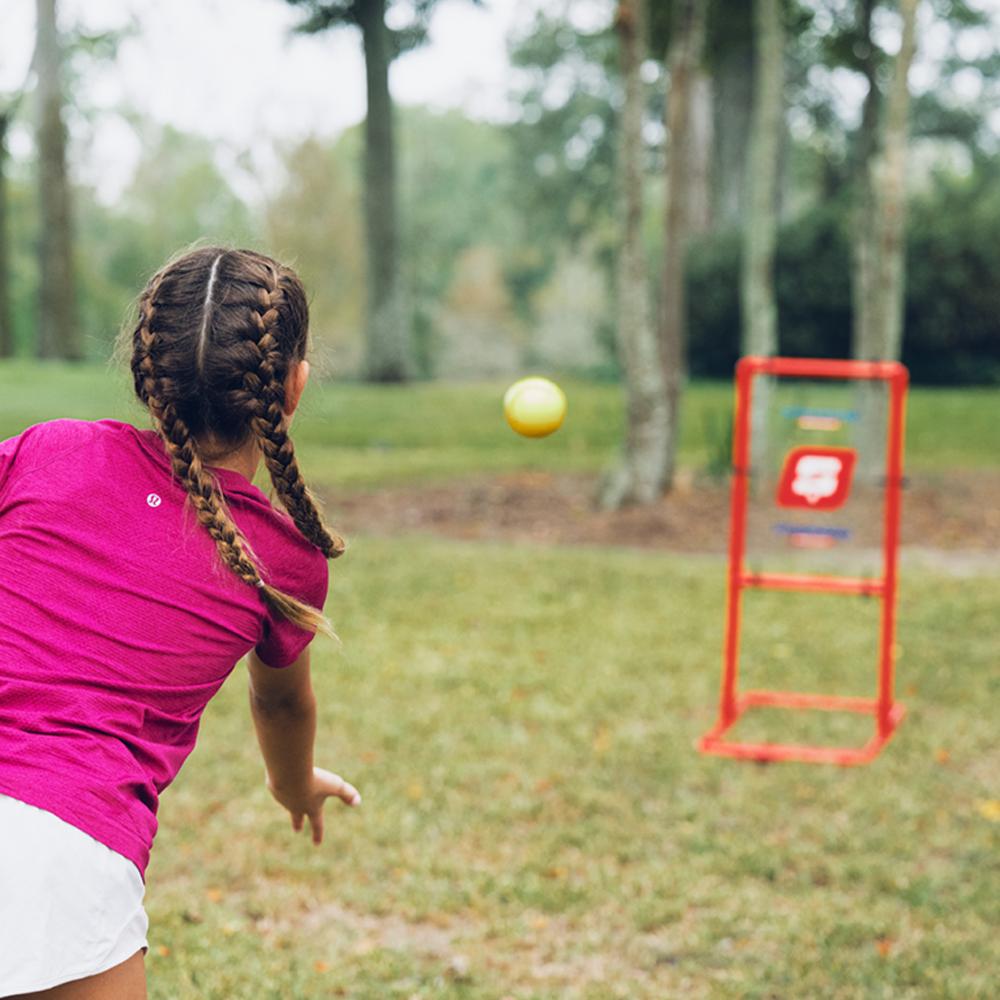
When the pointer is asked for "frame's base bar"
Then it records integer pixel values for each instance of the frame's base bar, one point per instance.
(714, 742)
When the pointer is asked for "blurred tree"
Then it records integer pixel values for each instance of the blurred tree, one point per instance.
(314, 219)
(566, 87)
(850, 36)
(79, 51)
(952, 300)
(683, 56)
(757, 295)
(760, 320)
(176, 196)
(58, 334)
(388, 340)
(878, 243)
(8, 109)
(641, 476)
(883, 328)
(453, 162)
(730, 57)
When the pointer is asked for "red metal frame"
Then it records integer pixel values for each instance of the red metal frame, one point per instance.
(886, 713)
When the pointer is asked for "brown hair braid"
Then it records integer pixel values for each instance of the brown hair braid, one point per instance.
(217, 334)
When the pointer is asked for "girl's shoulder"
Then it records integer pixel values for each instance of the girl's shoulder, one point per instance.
(38, 444)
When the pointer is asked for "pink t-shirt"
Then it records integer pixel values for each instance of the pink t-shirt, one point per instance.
(119, 621)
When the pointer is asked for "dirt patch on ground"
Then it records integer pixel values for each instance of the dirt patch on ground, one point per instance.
(956, 512)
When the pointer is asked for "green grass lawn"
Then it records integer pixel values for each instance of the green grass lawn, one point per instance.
(349, 434)
(520, 721)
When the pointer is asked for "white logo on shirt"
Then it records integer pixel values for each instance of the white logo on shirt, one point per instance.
(153, 500)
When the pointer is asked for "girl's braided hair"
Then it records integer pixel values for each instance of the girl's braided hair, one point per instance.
(217, 334)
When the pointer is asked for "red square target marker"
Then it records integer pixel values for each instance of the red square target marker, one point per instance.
(816, 478)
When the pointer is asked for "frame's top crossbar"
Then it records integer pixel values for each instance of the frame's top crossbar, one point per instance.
(891, 371)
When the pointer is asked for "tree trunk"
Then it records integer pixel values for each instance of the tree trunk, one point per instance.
(889, 182)
(387, 337)
(862, 245)
(641, 476)
(878, 239)
(683, 59)
(760, 320)
(702, 140)
(57, 333)
(758, 307)
(732, 95)
(6, 312)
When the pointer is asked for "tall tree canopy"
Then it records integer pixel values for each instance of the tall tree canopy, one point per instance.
(389, 353)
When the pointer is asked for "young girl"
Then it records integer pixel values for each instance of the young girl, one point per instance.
(137, 567)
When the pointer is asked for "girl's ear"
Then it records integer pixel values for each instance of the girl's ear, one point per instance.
(294, 386)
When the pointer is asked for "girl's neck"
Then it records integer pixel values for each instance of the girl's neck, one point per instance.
(245, 461)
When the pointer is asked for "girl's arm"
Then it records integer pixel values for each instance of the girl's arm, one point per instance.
(286, 734)
(283, 709)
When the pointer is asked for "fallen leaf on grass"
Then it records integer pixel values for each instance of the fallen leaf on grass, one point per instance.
(989, 809)
(320, 966)
(213, 895)
(884, 946)
(602, 741)
(942, 756)
(162, 950)
(415, 791)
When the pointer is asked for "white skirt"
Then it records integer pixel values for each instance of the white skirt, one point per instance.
(70, 907)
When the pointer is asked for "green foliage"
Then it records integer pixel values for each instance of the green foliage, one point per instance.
(563, 142)
(177, 196)
(456, 184)
(313, 221)
(454, 181)
(953, 297)
(952, 303)
(827, 39)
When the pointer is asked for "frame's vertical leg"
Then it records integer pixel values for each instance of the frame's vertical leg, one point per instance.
(737, 537)
(894, 474)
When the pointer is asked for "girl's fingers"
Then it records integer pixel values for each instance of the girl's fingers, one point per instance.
(297, 822)
(343, 790)
(349, 794)
(316, 819)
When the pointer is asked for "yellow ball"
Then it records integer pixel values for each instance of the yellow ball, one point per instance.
(534, 406)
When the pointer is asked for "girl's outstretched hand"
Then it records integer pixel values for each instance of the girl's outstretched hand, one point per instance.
(309, 800)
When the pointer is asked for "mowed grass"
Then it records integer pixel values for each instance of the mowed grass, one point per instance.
(537, 824)
(348, 434)
(521, 723)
